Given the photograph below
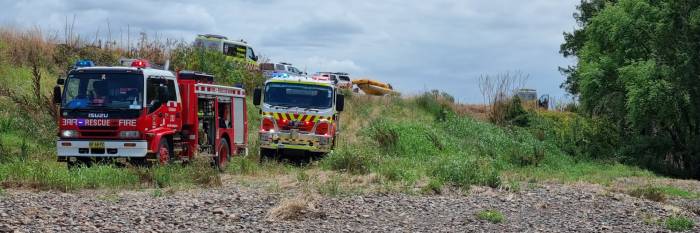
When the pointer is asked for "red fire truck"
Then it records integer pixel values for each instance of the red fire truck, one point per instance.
(146, 116)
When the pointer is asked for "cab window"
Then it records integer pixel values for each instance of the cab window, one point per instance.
(152, 93)
(230, 49)
(250, 54)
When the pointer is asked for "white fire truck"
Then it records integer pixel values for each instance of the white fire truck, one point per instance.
(299, 114)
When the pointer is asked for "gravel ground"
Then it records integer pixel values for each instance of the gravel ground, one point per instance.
(235, 208)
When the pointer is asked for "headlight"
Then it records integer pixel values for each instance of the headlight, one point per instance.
(69, 134)
(129, 134)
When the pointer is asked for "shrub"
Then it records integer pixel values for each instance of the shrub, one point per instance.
(464, 172)
(578, 136)
(406, 138)
(493, 216)
(384, 134)
(349, 160)
(679, 223)
(396, 170)
(528, 157)
(434, 186)
(436, 103)
(513, 113)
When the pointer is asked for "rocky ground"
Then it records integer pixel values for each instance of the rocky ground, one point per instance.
(237, 208)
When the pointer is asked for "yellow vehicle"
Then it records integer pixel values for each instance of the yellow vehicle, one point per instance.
(372, 87)
(236, 51)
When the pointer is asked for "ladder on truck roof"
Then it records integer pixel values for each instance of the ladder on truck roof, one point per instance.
(211, 90)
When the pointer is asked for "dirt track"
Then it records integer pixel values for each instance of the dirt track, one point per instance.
(235, 208)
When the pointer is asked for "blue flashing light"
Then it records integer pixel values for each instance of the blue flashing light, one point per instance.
(280, 75)
(84, 63)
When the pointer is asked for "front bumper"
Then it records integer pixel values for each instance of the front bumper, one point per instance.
(81, 148)
(296, 141)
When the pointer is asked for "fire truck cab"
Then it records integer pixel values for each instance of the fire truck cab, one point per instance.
(299, 114)
(146, 115)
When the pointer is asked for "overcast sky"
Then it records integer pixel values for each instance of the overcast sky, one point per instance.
(413, 44)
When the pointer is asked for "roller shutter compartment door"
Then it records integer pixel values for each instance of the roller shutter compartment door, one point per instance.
(238, 121)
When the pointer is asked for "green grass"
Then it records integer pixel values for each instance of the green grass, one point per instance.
(434, 186)
(55, 176)
(493, 216)
(402, 140)
(649, 192)
(584, 171)
(332, 187)
(661, 193)
(405, 140)
(678, 192)
(679, 223)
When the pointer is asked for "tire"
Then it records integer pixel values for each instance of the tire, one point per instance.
(164, 153)
(224, 154)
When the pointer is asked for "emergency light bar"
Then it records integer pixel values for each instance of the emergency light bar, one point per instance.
(279, 75)
(139, 63)
(320, 78)
(84, 63)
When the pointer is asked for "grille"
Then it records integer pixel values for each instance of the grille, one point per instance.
(99, 134)
(99, 128)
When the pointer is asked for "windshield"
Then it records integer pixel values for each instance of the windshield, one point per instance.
(298, 95)
(112, 91)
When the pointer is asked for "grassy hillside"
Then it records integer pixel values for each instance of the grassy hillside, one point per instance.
(410, 143)
(421, 140)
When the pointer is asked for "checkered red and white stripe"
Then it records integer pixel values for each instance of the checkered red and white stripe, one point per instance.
(217, 90)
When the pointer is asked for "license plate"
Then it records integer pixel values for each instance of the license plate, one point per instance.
(97, 145)
(294, 134)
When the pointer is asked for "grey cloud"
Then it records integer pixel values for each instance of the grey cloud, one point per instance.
(317, 32)
(413, 44)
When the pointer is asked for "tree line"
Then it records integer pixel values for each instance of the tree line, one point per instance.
(638, 67)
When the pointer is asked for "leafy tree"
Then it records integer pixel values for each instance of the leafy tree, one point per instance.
(573, 41)
(186, 57)
(639, 62)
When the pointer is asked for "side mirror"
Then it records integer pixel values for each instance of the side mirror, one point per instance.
(57, 94)
(163, 94)
(255, 58)
(60, 81)
(257, 94)
(339, 103)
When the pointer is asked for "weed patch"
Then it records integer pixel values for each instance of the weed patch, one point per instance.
(55, 176)
(679, 223)
(348, 160)
(434, 186)
(493, 216)
(462, 172)
(649, 192)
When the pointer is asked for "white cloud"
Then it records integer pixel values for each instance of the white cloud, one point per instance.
(322, 64)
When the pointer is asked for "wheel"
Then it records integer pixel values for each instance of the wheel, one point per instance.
(165, 152)
(224, 154)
